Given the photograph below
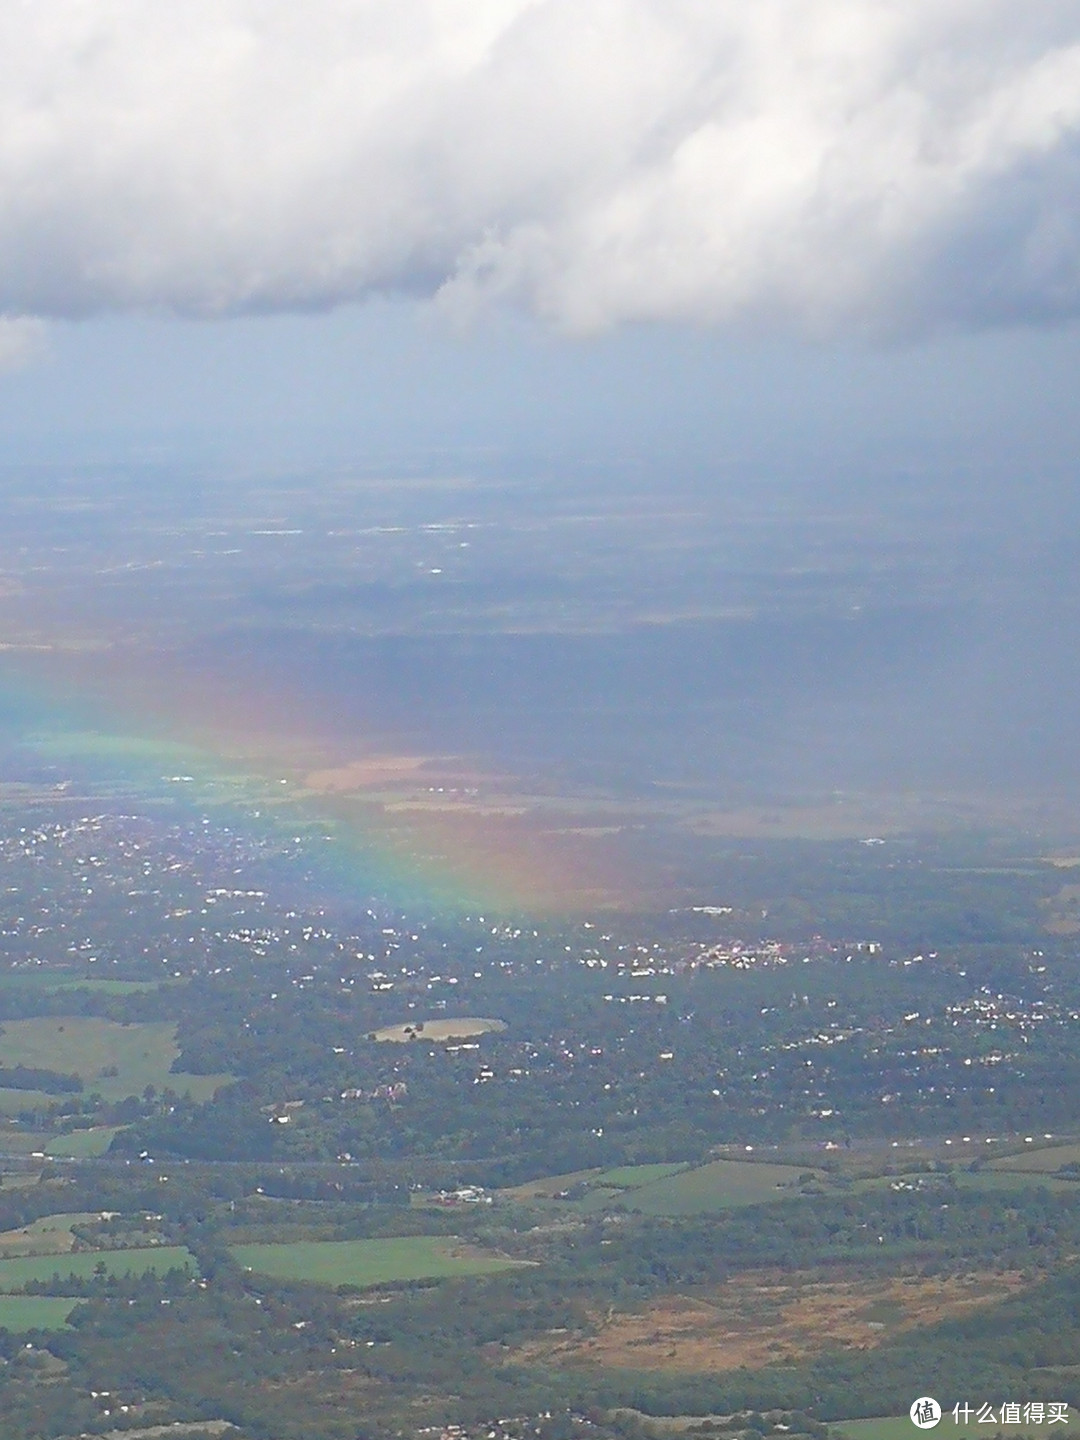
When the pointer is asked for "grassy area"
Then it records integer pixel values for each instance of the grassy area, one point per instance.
(14, 1102)
(1043, 1161)
(34, 1312)
(891, 1427)
(50, 1235)
(549, 1186)
(631, 1177)
(883, 1427)
(718, 1186)
(22, 1142)
(87, 1046)
(1012, 1180)
(17, 1271)
(49, 982)
(82, 1144)
(368, 1262)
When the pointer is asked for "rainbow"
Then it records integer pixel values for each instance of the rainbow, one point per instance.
(373, 824)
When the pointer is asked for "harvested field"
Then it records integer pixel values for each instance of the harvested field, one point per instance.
(440, 1030)
(762, 1319)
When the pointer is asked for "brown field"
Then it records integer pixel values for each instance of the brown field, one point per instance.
(1063, 911)
(440, 1030)
(762, 1319)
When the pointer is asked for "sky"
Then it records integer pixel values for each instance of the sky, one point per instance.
(823, 243)
(608, 229)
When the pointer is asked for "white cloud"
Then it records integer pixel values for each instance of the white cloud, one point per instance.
(873, 164)
(22, 341)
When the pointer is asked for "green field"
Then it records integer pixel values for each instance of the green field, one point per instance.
(884, 1427)
(14, 1102)
(890, 1427)
(368, 1262)
(632, 1177)
(718, 1186)
(49, 982)
(34, 1312)
(50, 1235)
(82, 1144)
(1012, 1180)
(17, 1271)
(549, 1186)
(1041, 1162)
(86, 1046)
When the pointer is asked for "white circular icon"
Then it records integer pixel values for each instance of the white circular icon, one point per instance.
(925, 1412)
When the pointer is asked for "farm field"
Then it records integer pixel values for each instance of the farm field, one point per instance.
(1010, 1180)
(763, 1318)
(632, 1177)
(49, 982)
(1040, 1162)
(21, 1269)
(441, 1030)
(881, 1427)
(716, 1186)
(35, 1312)
(87, 1046)
(50, 1235)
(891, 1427)
(368, 1262)
(548, 1186)
(13, 1102)
(82, 1144)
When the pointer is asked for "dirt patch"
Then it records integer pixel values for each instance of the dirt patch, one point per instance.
(761, 1319)
(363, 774)
(1063, 911)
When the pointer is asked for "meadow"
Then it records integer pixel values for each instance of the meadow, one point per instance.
(14, 1102)
(19, 1270)
(35, 1312)
(1043, 1161)
(51, 1235)
(717, 1186)
(632, 1177)
(82, 1144)
(890, 1427)
(92, 1048)
(368, 1262)
(50, 982)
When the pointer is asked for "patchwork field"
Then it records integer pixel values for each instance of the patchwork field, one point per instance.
(92, 1048)
(762, 1319)
(21, 1269)
(369, 1262)
(35, 1312)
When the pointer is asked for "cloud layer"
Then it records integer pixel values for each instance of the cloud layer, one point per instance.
(875, 165)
